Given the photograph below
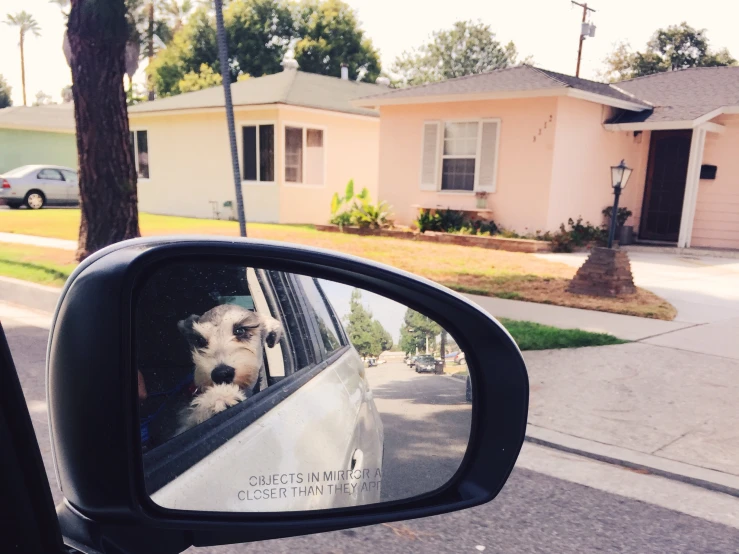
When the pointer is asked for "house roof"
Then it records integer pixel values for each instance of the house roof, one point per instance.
(522, 78)
(296, 88)
(54, 117)
(682, 95)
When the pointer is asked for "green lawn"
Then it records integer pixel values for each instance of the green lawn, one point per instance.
(50, 266)
(509, 275)
(534, 336)
(46, 266)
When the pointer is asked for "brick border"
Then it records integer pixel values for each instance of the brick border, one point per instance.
(494, 243)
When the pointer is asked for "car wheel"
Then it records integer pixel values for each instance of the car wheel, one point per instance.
(35, 200)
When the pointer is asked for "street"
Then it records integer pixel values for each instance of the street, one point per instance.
(541, 509)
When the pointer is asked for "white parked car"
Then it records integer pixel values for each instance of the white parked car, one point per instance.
(36, 186)
(311, 422)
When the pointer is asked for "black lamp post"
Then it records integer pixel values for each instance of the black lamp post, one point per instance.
(619, 177)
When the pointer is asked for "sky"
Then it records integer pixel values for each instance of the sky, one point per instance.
(547, 30)
(389, 313)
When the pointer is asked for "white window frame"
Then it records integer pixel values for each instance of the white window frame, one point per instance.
(136, 151)
(440, 156)
(240, 150)
(304, 127)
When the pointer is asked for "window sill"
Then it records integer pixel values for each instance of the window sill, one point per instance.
(258, 183)
(304, 186)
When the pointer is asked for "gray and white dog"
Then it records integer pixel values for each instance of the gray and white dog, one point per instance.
(227, 350)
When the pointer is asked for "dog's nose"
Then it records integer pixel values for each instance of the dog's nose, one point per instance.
(222, 374)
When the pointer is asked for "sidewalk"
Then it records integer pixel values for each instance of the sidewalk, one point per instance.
(45, 242)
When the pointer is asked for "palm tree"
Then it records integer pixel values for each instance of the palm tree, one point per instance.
(176, 12)
(25, 22)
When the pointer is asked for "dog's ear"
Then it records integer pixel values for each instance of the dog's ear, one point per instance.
(186, 328)
(271, 330)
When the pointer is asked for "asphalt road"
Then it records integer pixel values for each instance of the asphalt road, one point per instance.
(534, 513)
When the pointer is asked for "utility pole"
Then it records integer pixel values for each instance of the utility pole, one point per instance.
(149, 50)
(226, 75)
(585, 11)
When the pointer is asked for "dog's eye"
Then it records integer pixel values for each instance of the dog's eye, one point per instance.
(200, 342)
(240, 331)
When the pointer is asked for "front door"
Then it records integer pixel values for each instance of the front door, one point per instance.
(664, 190)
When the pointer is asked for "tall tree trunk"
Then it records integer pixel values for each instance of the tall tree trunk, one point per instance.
(23, 71)
(443, 349)
(97, 32)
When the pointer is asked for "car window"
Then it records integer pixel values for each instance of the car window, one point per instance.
(328, 324)
(169, 360)
(50, 174)
(70, 176)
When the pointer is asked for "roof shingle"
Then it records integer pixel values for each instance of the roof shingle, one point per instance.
(54, 117)
(511, 79)
(296, 88)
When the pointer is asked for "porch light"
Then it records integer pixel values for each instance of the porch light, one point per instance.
(620, 175)
(619, 178)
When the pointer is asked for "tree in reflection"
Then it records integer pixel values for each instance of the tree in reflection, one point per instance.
(366, 334)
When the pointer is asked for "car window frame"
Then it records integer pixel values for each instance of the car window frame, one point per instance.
(164, 463)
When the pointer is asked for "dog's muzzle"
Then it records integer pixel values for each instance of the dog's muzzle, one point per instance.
(222, 374)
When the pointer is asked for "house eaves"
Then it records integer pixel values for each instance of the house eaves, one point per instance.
(376, 102)
(704, 122)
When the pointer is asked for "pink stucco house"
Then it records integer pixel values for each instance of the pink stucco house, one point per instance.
(541, 144)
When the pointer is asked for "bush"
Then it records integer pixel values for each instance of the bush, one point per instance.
(578, 235)
(623, 215)
(361, 213)
(454, 221)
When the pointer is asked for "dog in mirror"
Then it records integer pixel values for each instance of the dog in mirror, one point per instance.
(227, 348)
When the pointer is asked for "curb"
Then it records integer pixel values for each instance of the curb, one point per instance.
(30, 295)
(44, 298)
(704, 478)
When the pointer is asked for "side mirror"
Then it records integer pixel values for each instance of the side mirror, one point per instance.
(206, 391)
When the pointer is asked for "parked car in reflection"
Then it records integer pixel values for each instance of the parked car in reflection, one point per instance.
(36, 186)
(425, 364)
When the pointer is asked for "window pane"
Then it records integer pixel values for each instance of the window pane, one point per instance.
(70, 176)
(314, 157)
(458, 174)
(143, 143)
(460, 139)
(266, 152)
(50, 174)
(249, 152)
(326, 323)
(293, 155)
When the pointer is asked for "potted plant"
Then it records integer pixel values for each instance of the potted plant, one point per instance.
(481, 199)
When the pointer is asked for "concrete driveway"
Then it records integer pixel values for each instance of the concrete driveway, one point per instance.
(704, 289)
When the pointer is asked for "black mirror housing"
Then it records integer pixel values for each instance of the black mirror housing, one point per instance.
(93, 414)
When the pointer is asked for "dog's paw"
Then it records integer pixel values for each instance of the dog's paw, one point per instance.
(213, 400)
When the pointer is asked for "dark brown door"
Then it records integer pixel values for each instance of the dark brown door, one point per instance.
(664, 191)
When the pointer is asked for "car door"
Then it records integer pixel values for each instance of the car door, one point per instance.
(51, 182)
(72, 186)
(315, 427)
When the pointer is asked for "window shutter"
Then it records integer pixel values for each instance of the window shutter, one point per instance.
(488, 156)
(430, 155)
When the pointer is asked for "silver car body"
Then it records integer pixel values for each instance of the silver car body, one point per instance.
(58, 185)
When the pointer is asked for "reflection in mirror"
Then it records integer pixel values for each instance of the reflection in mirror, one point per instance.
(265, 391)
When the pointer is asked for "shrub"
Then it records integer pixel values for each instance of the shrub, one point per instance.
(454, 221)
(579, 234)
(361, 213)
(623, 215)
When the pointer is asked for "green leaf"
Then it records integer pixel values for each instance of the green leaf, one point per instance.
(335, 203)
(349, 190)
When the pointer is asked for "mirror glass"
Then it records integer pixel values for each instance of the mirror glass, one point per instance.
(265, 391)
